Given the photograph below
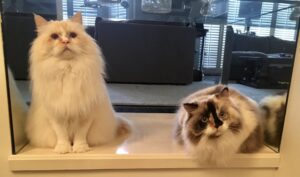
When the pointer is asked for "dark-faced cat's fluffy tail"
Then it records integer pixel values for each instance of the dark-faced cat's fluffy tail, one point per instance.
(124, 127)
(255, 141)
(273, 112)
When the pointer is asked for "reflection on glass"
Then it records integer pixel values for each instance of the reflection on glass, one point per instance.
(121, 150)
(18, 111)
(155, 59)
(157, 6)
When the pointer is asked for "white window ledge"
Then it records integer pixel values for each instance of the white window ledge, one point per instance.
(150, 146)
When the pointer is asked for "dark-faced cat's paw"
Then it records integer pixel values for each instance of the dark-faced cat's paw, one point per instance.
(63, 148)
(83, 147)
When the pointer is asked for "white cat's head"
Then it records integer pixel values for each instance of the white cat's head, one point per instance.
(61, 39)
(212, 118)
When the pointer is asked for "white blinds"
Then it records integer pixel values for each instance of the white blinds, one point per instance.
(90, 14)
(285, 28)
(213, 47)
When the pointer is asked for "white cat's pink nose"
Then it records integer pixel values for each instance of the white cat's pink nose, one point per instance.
(64, 40)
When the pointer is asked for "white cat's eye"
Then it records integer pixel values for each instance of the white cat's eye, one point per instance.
(54, 36)
(73, 35)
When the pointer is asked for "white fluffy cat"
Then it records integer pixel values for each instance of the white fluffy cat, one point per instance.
(70, 108)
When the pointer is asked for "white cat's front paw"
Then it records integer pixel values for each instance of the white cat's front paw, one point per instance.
(63, 148)
(83, 147)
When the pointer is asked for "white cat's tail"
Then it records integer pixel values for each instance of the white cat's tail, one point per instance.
(124, 126)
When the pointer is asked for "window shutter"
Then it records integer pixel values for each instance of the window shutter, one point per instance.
(285, 28)
(211, 46)
(89, 14)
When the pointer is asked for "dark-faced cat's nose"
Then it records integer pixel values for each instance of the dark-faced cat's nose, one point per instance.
(218, 123)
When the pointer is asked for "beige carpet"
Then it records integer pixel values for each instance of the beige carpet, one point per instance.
(159, 95)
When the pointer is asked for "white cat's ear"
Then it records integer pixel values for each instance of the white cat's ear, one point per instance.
(190, 107)
(39, 21)
(225, 92)
(77, 18)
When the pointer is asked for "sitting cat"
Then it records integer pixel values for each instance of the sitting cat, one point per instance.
(70, 108)
(217, 122)
(273, 108)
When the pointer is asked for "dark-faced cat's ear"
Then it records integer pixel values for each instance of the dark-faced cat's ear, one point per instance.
(224, 92)
(39, 21)
(190, 107)
(77, 18)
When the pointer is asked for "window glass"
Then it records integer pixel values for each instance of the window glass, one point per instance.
(158, 54)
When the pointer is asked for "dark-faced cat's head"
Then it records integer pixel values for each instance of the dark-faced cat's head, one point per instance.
(61, 39)
(212, 117)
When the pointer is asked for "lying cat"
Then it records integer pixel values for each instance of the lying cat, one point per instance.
(217, 122)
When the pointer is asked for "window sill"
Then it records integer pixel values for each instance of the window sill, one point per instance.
(149, 147)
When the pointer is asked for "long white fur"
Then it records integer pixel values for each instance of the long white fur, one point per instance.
(221, 151)
(70, 108)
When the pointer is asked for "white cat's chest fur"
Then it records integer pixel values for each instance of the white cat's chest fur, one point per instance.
(68, 87)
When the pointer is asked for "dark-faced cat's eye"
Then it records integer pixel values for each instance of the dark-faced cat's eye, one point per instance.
(222, 115)
(204, 119)
(54, 36)
(73, 35)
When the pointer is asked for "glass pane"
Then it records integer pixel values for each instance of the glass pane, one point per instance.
(157, 52)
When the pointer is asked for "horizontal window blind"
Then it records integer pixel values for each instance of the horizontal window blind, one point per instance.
(264, 20)
(285, 28)
(233, 14)
(88, 14)
(115, 10)
(285, 34)
(283, 17)
(211, 46)
(261, 31)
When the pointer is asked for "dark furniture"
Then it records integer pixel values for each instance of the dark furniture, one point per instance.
(135, 51)
(147, 51)
(257, 61)
(18, 33)
(272, 71)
